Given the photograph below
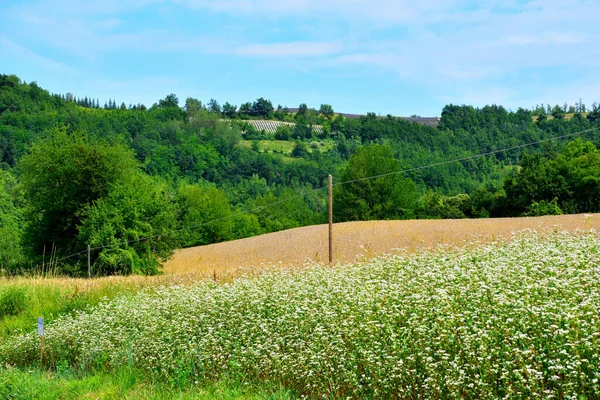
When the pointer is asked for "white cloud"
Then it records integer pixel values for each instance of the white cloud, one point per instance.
(548, 38)
(382, 12)
(290, 49)
(461, 48)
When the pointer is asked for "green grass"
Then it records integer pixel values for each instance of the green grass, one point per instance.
(123, 384)
(286, 146)
(22, 300)
(49, 301)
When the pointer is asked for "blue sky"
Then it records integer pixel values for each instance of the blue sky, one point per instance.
(389, 57)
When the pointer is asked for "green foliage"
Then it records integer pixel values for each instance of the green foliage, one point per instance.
(435, 205)
(197, 207)
(302, 130)
(287, 210)
(134, 224)
(76, 166)
(262, 108)
(11, 255)
(229, 110)
(558, 112)
(388, 197)
(62, 176)
(283, 132)
(488, 202)
(544, 207)
(326, 111)
(13, 300)
(171, 101)
(569, 178)
(126, 383)
(300, 150)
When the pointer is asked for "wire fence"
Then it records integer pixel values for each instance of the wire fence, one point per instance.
(312, 191)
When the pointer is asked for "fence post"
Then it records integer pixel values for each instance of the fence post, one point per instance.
(89, 263)
(330, 219)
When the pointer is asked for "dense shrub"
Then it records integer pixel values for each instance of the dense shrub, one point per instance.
(13, 300)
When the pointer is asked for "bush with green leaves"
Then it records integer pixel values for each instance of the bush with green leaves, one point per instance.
(13, 300)
(132, 229)
(543, 208)
(283, 132)
(509, 320)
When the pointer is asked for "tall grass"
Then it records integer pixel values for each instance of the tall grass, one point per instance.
(508, 320)
(124, 383)
(23, 299)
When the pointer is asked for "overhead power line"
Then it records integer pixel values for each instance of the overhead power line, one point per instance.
(467, 158)
(308, 192)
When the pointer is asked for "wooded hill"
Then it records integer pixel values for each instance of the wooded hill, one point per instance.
(134, 182)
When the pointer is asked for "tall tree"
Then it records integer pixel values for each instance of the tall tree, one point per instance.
(62, 176)
(170, 101)
(262, 108)
(133, 226)
(326, 111)
(229, 110)
(214, 107)
(246, 109)
(302, 109)
(383, 197)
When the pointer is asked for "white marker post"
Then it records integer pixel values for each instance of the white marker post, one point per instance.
(41, 335)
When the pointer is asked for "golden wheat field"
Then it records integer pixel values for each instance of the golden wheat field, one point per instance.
(353, 240)
(295, 247)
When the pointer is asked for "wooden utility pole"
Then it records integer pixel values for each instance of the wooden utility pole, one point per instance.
(89, 263)
(330, 219)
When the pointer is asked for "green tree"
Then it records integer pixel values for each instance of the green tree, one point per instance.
(337, 125)
(213, 106)
(62, 176)
(285, 210)
(558, 112)
(571, 176)
(302, 110)
(192, 108)
(326, 111)
(197, 206)
(229, 110)
(364, 198)
(283, 132)
(262, 108)
(133, 227)
(245, 110)
(300, 150)
(544, 207)
(302, 130)
(171, 101)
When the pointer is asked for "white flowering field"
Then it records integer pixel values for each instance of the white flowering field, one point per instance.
(517, 320)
